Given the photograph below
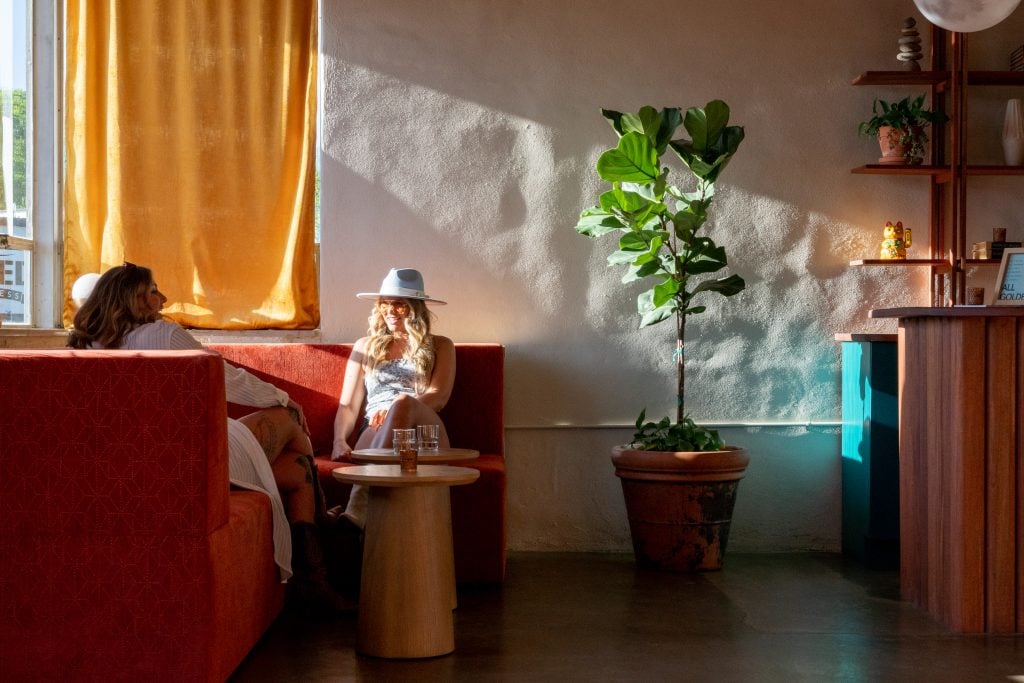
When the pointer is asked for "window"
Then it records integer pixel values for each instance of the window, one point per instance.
(29, 154)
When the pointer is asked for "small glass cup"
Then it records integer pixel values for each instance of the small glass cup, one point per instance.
(404, 446)
(428, 436)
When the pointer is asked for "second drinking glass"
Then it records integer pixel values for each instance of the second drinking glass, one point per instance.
(404, 446)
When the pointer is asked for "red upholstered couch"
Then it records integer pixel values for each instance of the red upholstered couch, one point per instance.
(124, 555)
(313, 375)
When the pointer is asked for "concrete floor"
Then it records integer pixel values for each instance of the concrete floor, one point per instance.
(595, 617)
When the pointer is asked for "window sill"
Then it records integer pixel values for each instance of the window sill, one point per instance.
(40, 338)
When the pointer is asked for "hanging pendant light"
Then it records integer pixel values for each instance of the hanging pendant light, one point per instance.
(965, 16)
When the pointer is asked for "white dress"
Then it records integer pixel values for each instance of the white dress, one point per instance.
(248, 466)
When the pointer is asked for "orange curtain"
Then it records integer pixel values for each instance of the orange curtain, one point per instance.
(189, 132)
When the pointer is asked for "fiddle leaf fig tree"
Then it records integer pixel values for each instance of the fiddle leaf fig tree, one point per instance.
(660, 239)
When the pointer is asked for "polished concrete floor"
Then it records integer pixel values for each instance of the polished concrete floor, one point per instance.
(595, 617)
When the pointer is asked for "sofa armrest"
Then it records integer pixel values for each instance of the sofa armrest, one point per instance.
(113, 477)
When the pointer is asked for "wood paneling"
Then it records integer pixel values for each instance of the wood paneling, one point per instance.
(961, 481)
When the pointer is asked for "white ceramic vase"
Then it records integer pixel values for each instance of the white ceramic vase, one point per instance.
(1013, 133)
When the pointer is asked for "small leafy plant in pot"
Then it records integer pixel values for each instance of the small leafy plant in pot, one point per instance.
(678, 478)
(900, 129)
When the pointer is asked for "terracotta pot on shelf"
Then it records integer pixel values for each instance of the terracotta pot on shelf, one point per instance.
(893, 151)
(680, 505)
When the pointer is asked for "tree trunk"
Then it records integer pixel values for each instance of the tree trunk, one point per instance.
(680, 360)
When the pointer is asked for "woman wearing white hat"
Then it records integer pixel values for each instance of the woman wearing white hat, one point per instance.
(404, 372)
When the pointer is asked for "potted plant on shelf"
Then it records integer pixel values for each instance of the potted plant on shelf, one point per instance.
(899, 127)
(678, 478)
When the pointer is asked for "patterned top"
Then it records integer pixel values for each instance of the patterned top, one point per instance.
(387, 381)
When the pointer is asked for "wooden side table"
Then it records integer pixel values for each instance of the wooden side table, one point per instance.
(443, 456)
(406, 593)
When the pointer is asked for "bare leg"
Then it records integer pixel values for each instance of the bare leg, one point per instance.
(291, 459)
(406, 412)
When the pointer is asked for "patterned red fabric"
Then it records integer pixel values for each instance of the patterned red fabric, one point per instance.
(113, 487)
(313, 375)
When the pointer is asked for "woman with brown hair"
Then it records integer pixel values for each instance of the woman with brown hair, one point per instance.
(268, 450)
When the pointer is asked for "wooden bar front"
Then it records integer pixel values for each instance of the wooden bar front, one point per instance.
(961, 404)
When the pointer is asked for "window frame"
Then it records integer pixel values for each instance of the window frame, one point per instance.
(46, 162)
(44, 166)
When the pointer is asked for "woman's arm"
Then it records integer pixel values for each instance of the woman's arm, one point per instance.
(443, 377)
(351, 399)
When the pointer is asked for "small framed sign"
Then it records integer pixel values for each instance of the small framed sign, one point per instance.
(1009, 289)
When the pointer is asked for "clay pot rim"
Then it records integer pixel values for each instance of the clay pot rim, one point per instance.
(731, 460)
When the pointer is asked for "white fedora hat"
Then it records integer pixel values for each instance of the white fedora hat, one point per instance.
(402, 283)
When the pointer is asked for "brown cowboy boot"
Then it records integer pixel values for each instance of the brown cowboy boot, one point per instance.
(310, 587)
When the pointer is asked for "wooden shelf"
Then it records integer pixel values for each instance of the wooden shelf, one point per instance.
(902, 78)
(942, 174)
(936, 262)
(900, 262)
(938, 78)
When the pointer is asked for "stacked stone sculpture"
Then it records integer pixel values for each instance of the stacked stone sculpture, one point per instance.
(910, 45)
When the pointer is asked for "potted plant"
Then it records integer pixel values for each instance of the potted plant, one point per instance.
(899, 127)
(678, 478)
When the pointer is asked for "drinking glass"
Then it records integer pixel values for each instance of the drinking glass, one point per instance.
(404, 446)
(428, 437)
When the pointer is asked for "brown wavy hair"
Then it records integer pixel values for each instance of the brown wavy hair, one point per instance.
(113, 308)
(420, 349)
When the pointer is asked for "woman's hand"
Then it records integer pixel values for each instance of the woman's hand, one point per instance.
(340, 450)
(377, 419)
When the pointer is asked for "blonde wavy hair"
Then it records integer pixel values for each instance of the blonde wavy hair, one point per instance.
(420, 349)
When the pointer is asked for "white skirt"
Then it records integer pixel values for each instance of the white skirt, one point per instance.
(249, 468)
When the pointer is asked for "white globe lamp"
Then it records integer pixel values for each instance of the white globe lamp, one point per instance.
(965, 16)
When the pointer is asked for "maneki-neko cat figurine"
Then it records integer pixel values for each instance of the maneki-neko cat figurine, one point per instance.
(895, 241)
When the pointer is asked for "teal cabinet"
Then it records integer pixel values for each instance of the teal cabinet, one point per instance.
(870, 450)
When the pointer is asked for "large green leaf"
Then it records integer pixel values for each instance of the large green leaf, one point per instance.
(633, 160)
(686, 223)
(665, 291)
(647, 122)
(626, 202)
(729, 286)
(705, 125)
(595, 222)
(635, 240)
(704, 256)
(614, 118)
(649, 313)
(670, 120)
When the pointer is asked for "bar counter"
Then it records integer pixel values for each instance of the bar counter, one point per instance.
(961, 431)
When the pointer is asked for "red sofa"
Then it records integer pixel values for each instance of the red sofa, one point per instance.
(124, 555)
(313, 375)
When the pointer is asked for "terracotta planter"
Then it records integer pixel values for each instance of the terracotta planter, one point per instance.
(893, 152)
(680, 505)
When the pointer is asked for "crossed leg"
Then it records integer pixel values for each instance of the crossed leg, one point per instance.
(406, 412)
(291, 459)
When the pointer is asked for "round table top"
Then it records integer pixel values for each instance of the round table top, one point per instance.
(392, 475)
(371, 456)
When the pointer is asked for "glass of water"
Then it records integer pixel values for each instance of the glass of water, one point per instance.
(428, 437)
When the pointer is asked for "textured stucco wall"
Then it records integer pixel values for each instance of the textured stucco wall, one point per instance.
(460, 137)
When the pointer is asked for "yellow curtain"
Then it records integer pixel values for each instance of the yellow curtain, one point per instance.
(189, 130)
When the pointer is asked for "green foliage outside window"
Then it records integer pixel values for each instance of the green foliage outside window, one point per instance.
(15, 102)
